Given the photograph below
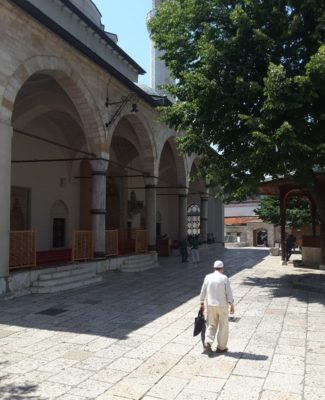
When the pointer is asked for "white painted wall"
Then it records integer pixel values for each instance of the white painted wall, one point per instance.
(140, 196)
(48, 183)
(245, 209)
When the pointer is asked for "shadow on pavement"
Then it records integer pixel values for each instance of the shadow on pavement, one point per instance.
(246, 356)
(302, 287)
(126, 302)
(18, 392)
(12, 391)
(239, 355)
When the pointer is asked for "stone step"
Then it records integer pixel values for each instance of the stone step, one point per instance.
(138, 267)
(138, 260)
(138, 257)
(63, 268)
(67, 286)
(64, 272)
(61, 280)
(239, 244)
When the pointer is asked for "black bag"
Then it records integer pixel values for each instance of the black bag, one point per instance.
(199, 324)
(203, 333)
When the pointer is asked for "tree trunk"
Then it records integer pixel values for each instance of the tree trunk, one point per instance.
(318, 194)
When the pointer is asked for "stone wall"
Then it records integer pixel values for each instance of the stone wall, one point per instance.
(30, 49)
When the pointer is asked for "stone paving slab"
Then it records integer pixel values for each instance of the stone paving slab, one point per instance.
(131, 337)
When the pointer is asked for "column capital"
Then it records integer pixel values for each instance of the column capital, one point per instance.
(206, 189)
(182, 191)
(204, 197)
(150, 182)
(99, 165)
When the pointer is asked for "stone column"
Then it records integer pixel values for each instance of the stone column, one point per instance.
(6, 132)
(182, 214)
(204, 216)
(98, 204)
(151, 211)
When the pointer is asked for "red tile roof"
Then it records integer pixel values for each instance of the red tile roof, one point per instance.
(240, 220)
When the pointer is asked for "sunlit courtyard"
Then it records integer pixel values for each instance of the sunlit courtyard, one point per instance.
(131, 337)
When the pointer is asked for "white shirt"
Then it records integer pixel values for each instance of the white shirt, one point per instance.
(216, 288)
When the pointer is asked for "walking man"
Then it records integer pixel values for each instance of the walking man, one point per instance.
(183, 250)
(217, 293)
(290, 243)
(194, 245)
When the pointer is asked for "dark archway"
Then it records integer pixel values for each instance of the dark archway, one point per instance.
(47, 136)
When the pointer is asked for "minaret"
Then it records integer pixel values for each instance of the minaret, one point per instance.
(158, 71)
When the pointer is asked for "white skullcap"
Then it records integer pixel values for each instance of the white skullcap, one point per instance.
(218, 264)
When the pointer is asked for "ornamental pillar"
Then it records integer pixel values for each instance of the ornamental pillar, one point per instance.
(98, 204)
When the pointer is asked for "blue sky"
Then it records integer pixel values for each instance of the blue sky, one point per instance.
(127, 18)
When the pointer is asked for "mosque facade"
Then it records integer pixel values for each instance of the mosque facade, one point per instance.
(87, 169)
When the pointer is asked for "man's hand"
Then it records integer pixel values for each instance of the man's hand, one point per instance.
(232, 309)
(202, 307)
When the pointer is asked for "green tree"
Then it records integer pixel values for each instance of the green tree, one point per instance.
(250, 81)
(297, 212)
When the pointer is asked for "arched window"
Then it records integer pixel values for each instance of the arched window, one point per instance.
(261, 237)
(193, 220)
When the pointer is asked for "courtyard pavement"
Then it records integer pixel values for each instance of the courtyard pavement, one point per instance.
(131, 337)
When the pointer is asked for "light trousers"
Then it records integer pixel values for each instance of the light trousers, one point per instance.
(195, 255)
(217, 319)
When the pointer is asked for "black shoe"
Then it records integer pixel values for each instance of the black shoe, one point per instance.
(221, 351)
(207, 348)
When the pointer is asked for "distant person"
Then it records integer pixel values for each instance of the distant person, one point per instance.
(194, 246)
(210, 238)
(183, 250)
(217, 293)
(290, 243)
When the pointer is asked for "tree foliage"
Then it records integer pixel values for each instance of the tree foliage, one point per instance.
(250, 81)
(297, 212)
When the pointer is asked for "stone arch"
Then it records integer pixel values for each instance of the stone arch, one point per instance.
(260, 236)
(146, 145)
(193, 165)
(299, 193)
(59, 208)
(70, 82)
(191, 162)
(180, 161)
(303, 194)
